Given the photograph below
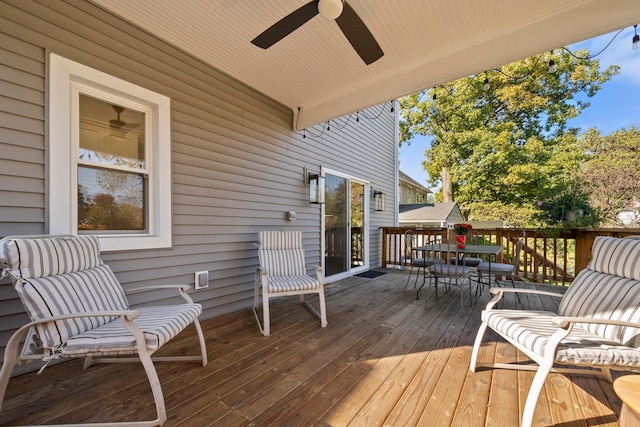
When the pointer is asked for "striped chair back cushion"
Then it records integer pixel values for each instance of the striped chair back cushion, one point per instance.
(281, 253)
(78, 282)
(619, 257)
(47, 256)
(601, 294)
(95, 289)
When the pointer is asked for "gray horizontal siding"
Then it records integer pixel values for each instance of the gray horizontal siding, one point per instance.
(237, 167)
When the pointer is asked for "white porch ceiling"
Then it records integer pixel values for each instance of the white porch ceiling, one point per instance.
(425, 43)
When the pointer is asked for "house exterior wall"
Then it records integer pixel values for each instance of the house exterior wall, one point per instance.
(409, 194)
(237, 166)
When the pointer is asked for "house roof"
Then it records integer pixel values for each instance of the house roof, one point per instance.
(426, 212)
(404, 177)
(425, 43)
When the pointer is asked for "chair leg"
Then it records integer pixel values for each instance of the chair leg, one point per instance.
(323, 310)
(10, 360)
(154, 381)
(476, 347)
(152, 374)
(265, 305)
(534, 391)
(265, 314)
(513, 285)
(203, 346)
(408, 279)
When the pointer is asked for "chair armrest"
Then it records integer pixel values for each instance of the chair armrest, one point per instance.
(182, 289)
(154, 287)
(499, 292)
(565, 321)
(128, 314)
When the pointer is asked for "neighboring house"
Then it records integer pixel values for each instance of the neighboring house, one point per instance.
(411, 191)
(184, 176)
(430, 215)
(630, 215)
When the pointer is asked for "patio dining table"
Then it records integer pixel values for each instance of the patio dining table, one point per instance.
(491, 251)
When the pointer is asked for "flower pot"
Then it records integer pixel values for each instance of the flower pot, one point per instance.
(461, 240)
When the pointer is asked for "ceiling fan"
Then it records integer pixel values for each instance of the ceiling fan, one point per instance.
(347, 19)
(119, 124)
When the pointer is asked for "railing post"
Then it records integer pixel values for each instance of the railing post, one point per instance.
(584, 242)
(385, 254)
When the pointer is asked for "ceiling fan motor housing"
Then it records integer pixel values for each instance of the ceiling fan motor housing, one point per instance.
(330, 9)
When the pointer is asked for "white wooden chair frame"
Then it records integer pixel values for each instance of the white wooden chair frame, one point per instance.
(13, 356)
(546, 360)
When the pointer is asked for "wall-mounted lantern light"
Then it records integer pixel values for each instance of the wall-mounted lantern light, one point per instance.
(316, 187)
(378, 200)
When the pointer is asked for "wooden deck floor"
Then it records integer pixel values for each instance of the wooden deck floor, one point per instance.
(385, 359)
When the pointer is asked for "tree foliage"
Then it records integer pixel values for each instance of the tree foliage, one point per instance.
(507, 147)
(611, 173)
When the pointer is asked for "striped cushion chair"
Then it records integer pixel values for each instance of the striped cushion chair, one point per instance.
(282, 272)
(78, 308)
(597, 325)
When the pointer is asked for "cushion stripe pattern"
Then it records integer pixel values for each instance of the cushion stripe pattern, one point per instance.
(604, 296)
(96, 289)
(159, 325)
(581, 346)
(292, 283)
(281, 253)
(619, 257)
(39, 257)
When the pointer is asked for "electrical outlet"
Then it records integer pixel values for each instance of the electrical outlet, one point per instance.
(202, 279)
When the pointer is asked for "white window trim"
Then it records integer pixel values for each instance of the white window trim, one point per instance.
(63, 74)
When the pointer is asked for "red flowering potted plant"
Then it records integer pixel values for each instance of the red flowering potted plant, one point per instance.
(461, 230)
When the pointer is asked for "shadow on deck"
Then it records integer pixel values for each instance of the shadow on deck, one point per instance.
(385, 358)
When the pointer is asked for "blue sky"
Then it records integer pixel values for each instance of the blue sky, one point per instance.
(617, 105)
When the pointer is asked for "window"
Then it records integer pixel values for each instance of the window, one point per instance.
(109, 158)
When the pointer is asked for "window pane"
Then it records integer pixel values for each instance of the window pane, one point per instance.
(111, 200)
(111, 134)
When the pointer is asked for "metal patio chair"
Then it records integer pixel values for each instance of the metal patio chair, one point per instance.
(78, 309)
(282, 272)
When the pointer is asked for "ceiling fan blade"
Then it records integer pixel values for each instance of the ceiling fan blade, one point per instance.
(286, 25)
(359, 35)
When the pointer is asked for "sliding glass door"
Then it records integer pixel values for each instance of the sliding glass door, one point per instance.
(345, 225)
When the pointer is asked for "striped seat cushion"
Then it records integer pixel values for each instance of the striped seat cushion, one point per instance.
(534, 329)
(449, 270)
(159, 325)
(496, 267)
(95, 289)
(281, 253)
(292, 283)
(40, 257)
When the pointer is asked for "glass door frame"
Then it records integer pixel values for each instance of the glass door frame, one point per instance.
(367, 189)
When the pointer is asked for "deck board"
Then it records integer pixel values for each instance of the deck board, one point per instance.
(385, 359)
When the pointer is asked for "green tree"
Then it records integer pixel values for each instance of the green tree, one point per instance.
(611, 172)
(501, 143)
